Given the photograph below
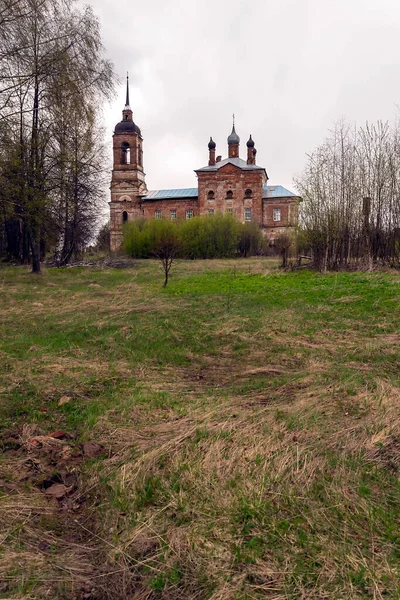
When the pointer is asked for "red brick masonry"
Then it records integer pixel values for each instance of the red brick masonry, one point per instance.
(230, 186)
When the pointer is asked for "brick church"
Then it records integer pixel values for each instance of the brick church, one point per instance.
(231, 185)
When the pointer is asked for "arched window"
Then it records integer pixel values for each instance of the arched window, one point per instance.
(140, 155)
(248, 193)
(210, 195)
(124, 216)
(229, 195)
(125, 154)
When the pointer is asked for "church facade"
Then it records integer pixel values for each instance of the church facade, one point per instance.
(232, 185)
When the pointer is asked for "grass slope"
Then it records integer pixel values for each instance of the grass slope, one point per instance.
(248, 428)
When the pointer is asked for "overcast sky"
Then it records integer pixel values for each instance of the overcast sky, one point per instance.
(287, 69)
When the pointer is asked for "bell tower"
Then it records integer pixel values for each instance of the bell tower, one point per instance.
(128, 184)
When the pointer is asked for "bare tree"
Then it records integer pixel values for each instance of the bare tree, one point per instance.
(48, 49)
(165, 244)
(351, 165)
(78, 179)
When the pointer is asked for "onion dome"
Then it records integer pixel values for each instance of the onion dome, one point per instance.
(250, 142)
(127, 126)
(233, 138)
(211, 144)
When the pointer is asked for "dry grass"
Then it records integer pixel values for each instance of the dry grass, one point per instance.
(247, 453)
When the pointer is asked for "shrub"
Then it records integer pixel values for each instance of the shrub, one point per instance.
(214, 236)
(194, 238)
(251, 241)
(284, 243)
(137, 238)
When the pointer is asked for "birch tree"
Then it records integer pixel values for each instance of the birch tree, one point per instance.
(50, 51)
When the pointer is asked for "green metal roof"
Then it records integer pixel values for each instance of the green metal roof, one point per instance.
(176, 193)
(269, 191)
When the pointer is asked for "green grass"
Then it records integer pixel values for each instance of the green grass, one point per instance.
(250, 427)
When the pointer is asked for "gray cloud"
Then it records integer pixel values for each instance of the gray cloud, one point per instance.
(287, 69)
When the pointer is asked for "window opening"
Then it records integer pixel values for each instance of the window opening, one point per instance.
(210, 195)
(248, 193)
(157, 214)
(173, 215)
(247, 214)
(189, 214)
(124, 216)
(229, 195)
(125, 154)
(277, 214)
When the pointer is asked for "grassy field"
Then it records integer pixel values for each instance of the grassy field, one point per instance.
(235, 435)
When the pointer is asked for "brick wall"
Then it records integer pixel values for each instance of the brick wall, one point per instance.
(149, 207)
(288, 207)
(231, 178)
(134, 144)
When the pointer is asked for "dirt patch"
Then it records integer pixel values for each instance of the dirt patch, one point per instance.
(122, 262)
(387, 453)
(390, 338)
(46, 512)
(346, 299)
(271, 370)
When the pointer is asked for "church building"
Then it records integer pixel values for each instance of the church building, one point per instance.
(230, 185)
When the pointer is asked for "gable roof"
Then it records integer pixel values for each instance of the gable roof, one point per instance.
(237, 162)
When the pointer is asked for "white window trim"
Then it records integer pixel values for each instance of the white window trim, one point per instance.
(157, 214)
(277, 212)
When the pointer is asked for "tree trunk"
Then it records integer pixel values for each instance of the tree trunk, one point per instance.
(35, 252)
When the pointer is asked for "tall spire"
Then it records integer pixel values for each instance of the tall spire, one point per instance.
(127, 111)
(127, 90)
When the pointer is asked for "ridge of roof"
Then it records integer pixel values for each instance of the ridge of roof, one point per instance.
(236, 161)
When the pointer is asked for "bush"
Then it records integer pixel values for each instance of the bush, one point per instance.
(194, 238)
(251, 242)
(284, 244)
(214, 236)
(137, 238)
